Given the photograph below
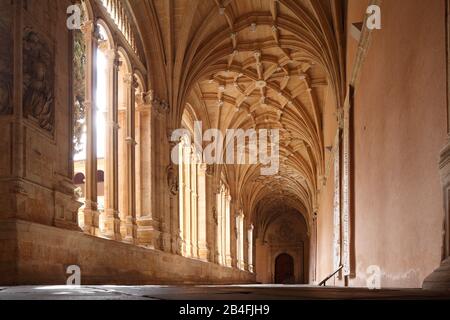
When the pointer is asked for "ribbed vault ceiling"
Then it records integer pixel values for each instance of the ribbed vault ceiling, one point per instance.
(251, 64)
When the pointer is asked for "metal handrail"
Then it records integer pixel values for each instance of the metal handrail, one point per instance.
(324, 282)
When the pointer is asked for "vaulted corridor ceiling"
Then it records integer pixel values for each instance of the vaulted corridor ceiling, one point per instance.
(252, 64)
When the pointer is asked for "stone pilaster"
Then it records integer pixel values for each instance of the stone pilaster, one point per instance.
(171, 236)
(313, 251)
(131, 226)
(149, 231)
(66, 207)
(203, 247)
(440, 278)
(230, 235)
(111, 225)
(250, 248)
(89, 219)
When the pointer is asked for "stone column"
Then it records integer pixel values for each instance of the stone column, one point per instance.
(313, 251)
(147, 221)
(171, 229)
(131, 226)
(89, 220)
(202, 217)
(240, 241)
(211, 213)
(168, 177)
(221, 233)
(218, 227)
(194, 205)
(229, 230)
(250, 249)
(260, 259)
(234, 212)
(185, 200)
(440, 278)
(111, 227)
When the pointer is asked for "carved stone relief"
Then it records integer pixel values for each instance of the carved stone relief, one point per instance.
(160, 106)
(6, 63)
(38, 97)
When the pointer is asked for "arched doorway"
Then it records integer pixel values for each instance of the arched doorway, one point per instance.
(284, 269)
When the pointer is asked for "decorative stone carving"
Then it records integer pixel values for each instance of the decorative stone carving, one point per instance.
(160, 106)
(337, 206)
(346, 193)
(172, 180)
(38, 98)
(6, 63)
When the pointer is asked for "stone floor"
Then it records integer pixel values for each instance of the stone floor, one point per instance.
(242, 292)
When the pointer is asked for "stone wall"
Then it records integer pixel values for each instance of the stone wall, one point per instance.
(399, 130)
(35, 167)
(37, 254)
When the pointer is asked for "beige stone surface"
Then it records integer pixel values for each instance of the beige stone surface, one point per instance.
(40, 255)
(286, 65)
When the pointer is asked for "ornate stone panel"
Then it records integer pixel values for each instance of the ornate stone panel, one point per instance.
(337, 206)
(38, 81)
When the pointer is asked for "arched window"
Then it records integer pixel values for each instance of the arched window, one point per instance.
(79, 89)
(192, 194)
(78, 179)
(100, 176)
(104, 121)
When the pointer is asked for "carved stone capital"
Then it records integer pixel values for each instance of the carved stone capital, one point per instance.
(87, 29)
(130, 80)
(160, 106)
(148, 96)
